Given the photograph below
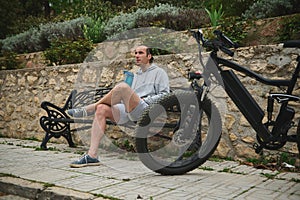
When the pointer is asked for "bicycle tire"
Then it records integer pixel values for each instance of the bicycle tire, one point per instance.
(298, 137)
(157, 143)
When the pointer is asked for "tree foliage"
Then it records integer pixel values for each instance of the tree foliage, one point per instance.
(9, 11)
(25, 19)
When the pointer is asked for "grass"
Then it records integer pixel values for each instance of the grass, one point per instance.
(49, 185)
(270, 176)
(295, 180)
(275, 162)
(106, 197)
(218, 159)
(228, 170)
(206, 168)
(32, 138)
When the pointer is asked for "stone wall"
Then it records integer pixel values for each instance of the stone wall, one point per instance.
(22, 92)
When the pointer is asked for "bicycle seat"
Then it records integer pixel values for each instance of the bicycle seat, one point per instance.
(292, 44)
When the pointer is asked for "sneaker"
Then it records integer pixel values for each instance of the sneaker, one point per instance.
(85, 161)
(77, 113)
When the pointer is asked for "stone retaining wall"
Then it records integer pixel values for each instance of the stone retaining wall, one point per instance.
(22, 92)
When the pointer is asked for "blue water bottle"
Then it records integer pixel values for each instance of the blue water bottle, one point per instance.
(128, 77)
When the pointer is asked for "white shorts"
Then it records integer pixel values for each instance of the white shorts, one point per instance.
(134, 115)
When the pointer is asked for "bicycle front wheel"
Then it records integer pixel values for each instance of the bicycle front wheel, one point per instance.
(178, 133)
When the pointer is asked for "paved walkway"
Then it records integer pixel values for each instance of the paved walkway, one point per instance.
(34, 174)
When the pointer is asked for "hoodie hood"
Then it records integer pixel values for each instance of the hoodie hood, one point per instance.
(150, 68)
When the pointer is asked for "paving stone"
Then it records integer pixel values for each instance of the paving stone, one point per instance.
(12, 197)
(47, 175)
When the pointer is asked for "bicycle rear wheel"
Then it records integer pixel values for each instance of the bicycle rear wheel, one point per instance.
(178, 133)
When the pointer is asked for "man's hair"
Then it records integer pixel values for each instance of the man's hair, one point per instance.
(149, 51)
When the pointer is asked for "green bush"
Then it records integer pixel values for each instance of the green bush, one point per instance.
(38, 39)
(9, 61)
(290, 29)
(230, 8)
(28, 41)
(127, 21)
(163, 15)
(235, 28)
(68, 51)
(183, 20)
(94, 9)
(93, 30)
(269, 8)
(215, 15)
(71, 30)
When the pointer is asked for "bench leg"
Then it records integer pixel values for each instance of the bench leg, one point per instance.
(67, 134)
(45, 140)
(55, 129)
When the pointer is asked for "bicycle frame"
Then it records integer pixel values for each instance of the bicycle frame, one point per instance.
(246, 103)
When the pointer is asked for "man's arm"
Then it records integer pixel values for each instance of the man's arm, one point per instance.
(161, 86)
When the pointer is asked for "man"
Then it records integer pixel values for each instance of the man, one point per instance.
(123, 102)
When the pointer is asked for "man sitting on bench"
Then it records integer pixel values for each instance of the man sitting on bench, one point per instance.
(123, 102)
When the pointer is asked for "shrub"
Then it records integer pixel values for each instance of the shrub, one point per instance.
(70, 29)
(65, 51)
(9, 61)
(94, 9)
(290, 29)
(28, 41)
(126, 21)
(215, 15)
(163, 15)
(93, 30)
(235, 28)
(183, 20)
(230, 8)
(38, 39)
(268, 8)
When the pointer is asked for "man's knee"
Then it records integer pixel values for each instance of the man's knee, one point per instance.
(121, 87)
(102, 110)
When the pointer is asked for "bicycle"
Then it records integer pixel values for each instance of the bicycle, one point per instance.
(182, 130)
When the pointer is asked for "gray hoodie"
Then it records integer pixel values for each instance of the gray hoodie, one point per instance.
(151, 84)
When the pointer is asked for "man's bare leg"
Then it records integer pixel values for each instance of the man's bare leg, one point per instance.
(120, 93)
(99, 125)
(105, 110)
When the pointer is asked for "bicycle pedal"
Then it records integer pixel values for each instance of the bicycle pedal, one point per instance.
(258, 148)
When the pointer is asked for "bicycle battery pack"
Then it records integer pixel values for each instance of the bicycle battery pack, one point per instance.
(283, 121)
(243, 100)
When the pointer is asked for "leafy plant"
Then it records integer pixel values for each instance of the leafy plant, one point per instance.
(290, 28)
(269, 176)
(235, 28)
(231, 8)
(285, 157)
(67, 10)
(215, 15)
(269, 8)
(68, 51)
(127, 21)
(38, 39)
(93, 30)
(206, 168)
(183, 20)
(9, 61)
